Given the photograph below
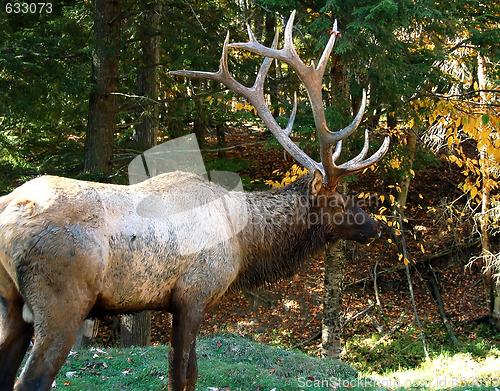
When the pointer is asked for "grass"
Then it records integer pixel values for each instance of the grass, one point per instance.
(460, 371)
(399, 363)
(231, 363)
(225, 362)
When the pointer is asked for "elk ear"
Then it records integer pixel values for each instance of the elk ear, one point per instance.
(316, 183)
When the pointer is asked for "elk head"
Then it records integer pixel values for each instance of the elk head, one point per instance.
(344, 218)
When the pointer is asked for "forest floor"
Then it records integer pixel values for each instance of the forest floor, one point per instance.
(289, 314)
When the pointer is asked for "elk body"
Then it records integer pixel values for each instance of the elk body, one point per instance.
(69, 248)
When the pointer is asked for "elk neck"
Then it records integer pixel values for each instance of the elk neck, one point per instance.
(278, 236)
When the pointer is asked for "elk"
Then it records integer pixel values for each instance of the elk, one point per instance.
(69, 248)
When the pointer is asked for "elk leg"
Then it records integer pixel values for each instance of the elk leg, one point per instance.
(57, 320)
(182, 367)
(192, 369)
(15, 336)
(52, 345)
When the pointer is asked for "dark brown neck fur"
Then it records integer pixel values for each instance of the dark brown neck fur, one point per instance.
(278, 238)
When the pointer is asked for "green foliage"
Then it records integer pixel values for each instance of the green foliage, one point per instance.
(44, 70)
(396, 166)
(390, 47)
(221, 164)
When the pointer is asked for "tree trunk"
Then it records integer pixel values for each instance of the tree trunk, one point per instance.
(411, 145)
(103, 104)
(200, 122)
(86, 334)
(103, 109)
(220, 128)
(135, 329)
(491, 280)
(146, 132)
(495, 314)
(331, 335)
(406, 260)
(433, 286)
(333, 311)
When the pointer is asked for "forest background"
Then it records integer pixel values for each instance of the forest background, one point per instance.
(85, 88)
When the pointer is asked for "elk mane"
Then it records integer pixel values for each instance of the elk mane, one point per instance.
(277, 238)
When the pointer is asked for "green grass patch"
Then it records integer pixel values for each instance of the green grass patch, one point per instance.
(225, 362)
(459, 371)
(398, 363)
(230, 363)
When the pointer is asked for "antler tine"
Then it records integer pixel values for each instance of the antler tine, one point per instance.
(328, 49)
(287, 54)
(266, 64)
(220, 75)
(338, 151)
(356, 164)
(289, 46)
(255, 96)
(289, 126)
(363, 152)
(359, 157)
(349, 129)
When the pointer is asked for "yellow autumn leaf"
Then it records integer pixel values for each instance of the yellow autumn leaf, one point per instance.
(422, 248)
(473, 192)
(406, 261)
(496, 155)
(395, 163)
(472, 122)
(485, 134)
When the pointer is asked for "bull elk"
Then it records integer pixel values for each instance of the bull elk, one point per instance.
(69, 248)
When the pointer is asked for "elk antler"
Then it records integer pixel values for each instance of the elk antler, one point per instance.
(312, 77)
